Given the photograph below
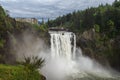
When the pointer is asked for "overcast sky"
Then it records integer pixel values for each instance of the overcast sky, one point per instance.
(47, 8)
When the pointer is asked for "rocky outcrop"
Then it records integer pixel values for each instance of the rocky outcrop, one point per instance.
(88, 41)
(100, 47)
(89, 35)
(115, 55)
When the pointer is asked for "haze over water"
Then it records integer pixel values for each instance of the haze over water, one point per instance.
(66, 62)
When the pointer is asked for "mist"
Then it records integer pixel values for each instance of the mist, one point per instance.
(29, 44)
(60, 69)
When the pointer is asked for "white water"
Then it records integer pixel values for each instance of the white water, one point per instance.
(65, 60)
(61, 45)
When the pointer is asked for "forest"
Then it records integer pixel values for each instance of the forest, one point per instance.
(105, 20)
(97, 30)
(10, 68)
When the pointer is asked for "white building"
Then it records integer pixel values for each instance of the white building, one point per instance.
(29, 20)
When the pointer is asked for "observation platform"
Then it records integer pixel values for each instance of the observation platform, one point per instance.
(57, 29)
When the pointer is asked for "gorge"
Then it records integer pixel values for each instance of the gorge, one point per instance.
(66, 62)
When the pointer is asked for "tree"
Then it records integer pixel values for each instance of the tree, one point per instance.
(110, 23)
(7, 12)
(116, 3)
(111, 26)
(42, 20)
(33, 62)
(97, 28)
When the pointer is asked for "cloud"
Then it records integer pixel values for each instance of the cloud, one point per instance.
(47, 8)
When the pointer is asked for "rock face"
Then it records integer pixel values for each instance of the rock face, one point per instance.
(89, 35)
(89, 42)
(114, 59)
(99, 47)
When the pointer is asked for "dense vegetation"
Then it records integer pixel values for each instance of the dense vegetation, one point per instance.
(26, 70)
(97, 30)
(106, 17)
(19, 72)
(9, 26)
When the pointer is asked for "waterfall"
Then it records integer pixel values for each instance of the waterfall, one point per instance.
(60, 63)
(65, 60)
(63, 44)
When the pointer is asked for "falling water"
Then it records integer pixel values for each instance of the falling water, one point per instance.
(66, 62)
(61, 45)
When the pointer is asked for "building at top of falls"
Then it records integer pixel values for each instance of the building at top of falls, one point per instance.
(57, 29)
(28, 20)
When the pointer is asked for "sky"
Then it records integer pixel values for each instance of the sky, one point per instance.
(47, 8)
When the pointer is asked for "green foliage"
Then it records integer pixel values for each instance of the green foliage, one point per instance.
(97, 28)
(2, 42)
(8, 72)
(112, 29)
(33, 63)
(116, 3)
(105, 16)
(105, 19)
(42, 27)
(110, 23)
(9, 26)
(2, 13)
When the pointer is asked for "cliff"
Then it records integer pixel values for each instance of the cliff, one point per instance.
(9, 27)
(99, 47)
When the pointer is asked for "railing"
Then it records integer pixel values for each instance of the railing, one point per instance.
(57, 29)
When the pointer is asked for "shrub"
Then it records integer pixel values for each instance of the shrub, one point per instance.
(33, 63)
